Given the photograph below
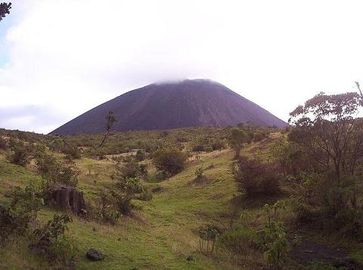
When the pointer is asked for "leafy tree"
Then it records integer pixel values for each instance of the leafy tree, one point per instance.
(328, 130)
(237, 138)
(4, 9)
(329, 134)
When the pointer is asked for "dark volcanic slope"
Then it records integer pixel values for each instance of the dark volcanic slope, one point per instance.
(172, 105)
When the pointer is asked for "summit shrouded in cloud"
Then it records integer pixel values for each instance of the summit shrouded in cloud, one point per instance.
(65, 57)
(190, 103)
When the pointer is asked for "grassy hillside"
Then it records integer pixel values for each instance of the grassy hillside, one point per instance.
(163, 233)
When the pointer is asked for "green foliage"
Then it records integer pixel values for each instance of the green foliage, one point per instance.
(72, 152)
(131, 169)
(127, 187)
(237, 138)
(256, 178)
(169, 161)
(20, 153)
(238, 240)
(54, 172)
(50, 240)
(273, 237)
(22, 210)
(126, 190)
(105, 208)
(260, 135)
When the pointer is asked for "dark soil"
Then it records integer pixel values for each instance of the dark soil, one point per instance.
(308, 252)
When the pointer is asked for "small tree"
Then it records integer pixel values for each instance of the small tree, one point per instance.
(237, 138)
(128, 187)
(110, 120)
(327, 129)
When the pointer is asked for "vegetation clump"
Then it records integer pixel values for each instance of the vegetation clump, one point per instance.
(255, 178)
(22, 210)
(169, 161)
(50, 241)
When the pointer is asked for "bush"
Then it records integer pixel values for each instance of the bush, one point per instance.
(131, 169)
(208, 235)
(272, 239)
(238, 240)
(20, 153)
(169, 161)
(126, 190)
(50, 241)
(22, 210)
(105, 210)
(54, 172)
(140, 155)
(3, 144)
(256, 178)
(72, 152)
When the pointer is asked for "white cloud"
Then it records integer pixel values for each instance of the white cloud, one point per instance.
(71, 55)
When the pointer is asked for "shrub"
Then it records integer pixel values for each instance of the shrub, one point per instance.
(256, 178)
(22, 210)
(105, 210)
(50, 240)
(198, 148)
(140, 155)
(238, 239)
(54, 172)
(199, 172)
(3, 144)
(71, 152)
(272, 239)
(131, 169)
(208, 235)
(126, 190)
(169, 161)
(20, 153)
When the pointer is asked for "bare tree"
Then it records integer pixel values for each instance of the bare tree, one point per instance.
(110, 120)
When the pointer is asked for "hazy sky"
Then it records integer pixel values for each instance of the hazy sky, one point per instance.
(59, 58)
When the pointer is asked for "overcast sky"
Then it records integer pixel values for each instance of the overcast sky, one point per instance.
(61, 58)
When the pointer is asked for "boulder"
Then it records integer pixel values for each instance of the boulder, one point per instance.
(94, 255)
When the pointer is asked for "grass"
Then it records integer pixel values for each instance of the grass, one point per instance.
(163, 232)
